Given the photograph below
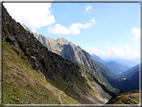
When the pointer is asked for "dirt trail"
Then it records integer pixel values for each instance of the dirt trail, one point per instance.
(52, 90)
(60, 98)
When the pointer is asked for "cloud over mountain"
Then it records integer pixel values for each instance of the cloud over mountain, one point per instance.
(92, 50)
(121, 52)
(113, 51)
(73, 29)
(33, 15)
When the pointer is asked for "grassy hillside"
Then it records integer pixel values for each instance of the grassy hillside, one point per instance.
(22, 85)
(125, 98)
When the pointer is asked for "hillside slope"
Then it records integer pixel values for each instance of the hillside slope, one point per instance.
(116, 68)
(32, 74)
(98, 59)
(125, 98)
(129, 72)
(130, 81)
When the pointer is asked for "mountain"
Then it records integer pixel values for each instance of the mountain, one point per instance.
(136, 60)
(108, 74)
(131, 97)
(134, 73)
(130, 81)
(33, 74)
(129, 71)
(78, 56)
(98, 59)
(116, 68)
(125, 62)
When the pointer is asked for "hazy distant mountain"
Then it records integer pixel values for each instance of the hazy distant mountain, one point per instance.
(131, 81)
(122, 61)
(97, 58)
(116, 68)
(136, 60)
(106, 72)
(133, 73)
(112, 65)
(128, 82)
(129, 71)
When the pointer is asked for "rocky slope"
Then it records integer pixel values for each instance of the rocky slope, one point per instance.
(33, 74)
(77, 55)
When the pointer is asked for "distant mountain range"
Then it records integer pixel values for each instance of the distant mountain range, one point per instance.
(125, 62)
(128, 80)
(98, 59)
(133, 69)
(115, 67)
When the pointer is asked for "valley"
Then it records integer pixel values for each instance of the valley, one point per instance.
(41, 70)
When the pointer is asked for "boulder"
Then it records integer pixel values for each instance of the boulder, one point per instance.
(33, 59)
(10, 40)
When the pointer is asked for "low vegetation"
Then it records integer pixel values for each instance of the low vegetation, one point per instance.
(125, 98)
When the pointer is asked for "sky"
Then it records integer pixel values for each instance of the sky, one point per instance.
(109, 30)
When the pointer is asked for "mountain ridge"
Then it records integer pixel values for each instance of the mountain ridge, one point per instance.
(122, 61)
(78, 56)
(115, 67)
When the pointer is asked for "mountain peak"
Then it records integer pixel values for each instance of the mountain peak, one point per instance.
(93, 55)
(62, 41)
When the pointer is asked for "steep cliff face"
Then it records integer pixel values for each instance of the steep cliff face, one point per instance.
(29, 61)
(77, 55)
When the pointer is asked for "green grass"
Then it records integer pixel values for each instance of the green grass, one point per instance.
(22, 85)
(122, 98)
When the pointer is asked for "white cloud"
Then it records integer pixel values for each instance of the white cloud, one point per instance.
(128, 52)
(88, 7)
(92, 50)
(108, 42)
(58, 29)
(135, 39)
(92, 21)
(136, 33)
(113, 52)
(121, 52)
(102, 52)
(33, 15)
(73, 30)
(109, 52)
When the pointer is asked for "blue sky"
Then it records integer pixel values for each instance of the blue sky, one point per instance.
(106, 29)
